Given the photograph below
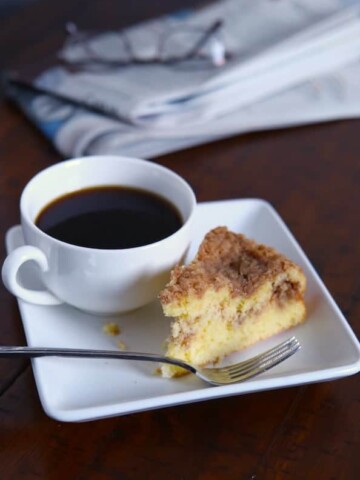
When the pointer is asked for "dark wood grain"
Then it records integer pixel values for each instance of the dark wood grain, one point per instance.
(311, 175)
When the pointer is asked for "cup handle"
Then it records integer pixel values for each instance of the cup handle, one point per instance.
(10, 271)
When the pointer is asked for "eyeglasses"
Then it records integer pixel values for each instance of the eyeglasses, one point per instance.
(185, 47)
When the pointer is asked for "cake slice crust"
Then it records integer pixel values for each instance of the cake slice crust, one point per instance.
(235, 293)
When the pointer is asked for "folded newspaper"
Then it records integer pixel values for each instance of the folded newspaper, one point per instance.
(277, 63)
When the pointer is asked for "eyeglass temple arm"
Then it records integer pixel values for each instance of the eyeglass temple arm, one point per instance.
(207, 34)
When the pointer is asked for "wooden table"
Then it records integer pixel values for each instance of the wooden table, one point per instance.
(311, 176)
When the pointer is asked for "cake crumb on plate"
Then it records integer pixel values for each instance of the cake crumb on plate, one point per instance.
(112, 329)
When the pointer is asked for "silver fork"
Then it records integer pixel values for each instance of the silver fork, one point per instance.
(237, 372)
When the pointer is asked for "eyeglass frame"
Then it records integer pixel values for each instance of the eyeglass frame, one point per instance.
(76, 36)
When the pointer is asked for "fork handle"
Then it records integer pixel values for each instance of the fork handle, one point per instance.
(32, 352)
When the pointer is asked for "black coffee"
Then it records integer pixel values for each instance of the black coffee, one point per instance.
(109, 218)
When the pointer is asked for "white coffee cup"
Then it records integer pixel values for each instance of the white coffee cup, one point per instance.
(96, 280)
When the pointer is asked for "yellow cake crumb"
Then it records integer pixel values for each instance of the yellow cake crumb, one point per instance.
(121, 345)
(111, 329)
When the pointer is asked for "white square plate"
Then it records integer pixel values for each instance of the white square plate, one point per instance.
(81, 389)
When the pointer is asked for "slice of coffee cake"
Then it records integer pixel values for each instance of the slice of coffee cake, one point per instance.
(233, 294)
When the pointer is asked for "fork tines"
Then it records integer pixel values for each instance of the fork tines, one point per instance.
(267, 359)
(253, 366)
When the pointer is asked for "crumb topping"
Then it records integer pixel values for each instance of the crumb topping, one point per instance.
(225, 258)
